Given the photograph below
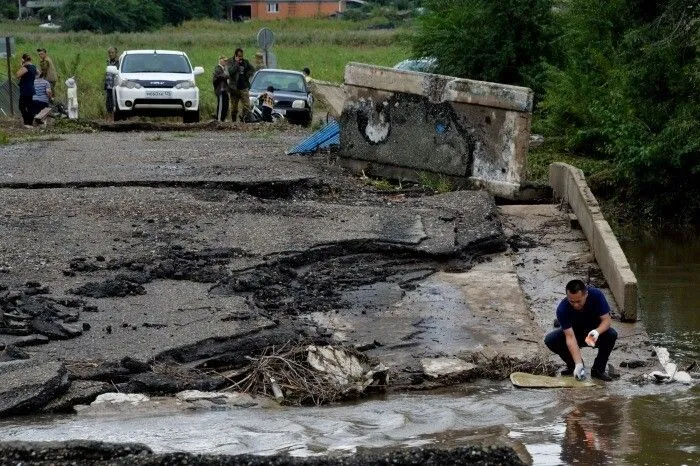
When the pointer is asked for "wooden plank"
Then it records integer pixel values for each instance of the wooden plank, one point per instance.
(525, 380)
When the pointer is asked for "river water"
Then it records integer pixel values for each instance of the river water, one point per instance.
(649, 425)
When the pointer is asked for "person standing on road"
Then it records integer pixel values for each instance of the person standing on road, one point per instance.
(26, 75)
(584, 318)
(48, 70)
(239, 71)
(220, 81)
(112, 60)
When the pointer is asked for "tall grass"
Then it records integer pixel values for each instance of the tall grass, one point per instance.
(323, 45)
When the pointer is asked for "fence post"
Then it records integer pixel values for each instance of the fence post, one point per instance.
(8, 53)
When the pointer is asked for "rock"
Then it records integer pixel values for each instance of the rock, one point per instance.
(135, 366)
(441, 367)
(80, 392)
(116, 398)
(27, 386)
(132, 454)
(12, 352)
(32, 340)
(51, 329)
(70, 452)
(150, 382)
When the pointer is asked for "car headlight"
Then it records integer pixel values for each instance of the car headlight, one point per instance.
(130, 84)
(299, 104)
(185, 85)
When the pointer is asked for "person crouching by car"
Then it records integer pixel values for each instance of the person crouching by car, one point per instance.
(220, 81)
(42, 97)
(267, 99)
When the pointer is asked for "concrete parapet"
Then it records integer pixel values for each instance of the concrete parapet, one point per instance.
(569, 184)
(330, 94)
(475, 133)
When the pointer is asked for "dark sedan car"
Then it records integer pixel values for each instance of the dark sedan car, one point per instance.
(293, 98)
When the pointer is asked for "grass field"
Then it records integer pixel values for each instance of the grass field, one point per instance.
(323, 45)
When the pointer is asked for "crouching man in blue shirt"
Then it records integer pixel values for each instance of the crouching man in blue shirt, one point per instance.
(584, 318)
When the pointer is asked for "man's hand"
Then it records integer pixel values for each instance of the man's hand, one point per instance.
(580, 371)
(592, 337)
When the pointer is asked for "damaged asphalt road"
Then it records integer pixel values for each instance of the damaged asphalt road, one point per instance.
(202, 256)
(150, 262)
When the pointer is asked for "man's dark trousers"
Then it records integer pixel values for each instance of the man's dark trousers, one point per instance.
(556, 341)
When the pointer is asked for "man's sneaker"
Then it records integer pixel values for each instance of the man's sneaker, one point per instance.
(600, 375)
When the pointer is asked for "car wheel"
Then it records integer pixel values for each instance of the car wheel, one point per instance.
(190, 117)
(119, 115)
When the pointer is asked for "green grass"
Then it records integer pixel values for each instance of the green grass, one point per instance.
(323, 45)
(438, 183)
(598, 173)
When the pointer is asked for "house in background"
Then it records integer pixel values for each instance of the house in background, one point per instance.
(282, 9)
(31, 7)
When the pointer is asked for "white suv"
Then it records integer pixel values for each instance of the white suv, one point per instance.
(155, 83)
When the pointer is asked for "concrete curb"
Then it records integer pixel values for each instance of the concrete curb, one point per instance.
(569, 185)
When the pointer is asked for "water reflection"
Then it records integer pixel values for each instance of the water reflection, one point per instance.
(592, 428)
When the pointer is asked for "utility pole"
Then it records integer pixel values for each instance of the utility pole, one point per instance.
(19, 9)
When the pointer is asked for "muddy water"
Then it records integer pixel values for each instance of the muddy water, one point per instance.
(648, 425)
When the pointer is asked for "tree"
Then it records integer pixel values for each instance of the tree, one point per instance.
(627, 88)
(108, 16)
(501, 41)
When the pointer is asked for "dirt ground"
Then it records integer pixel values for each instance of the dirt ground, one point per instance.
(153, 260)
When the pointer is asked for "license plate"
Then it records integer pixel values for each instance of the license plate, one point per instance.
(159, 93)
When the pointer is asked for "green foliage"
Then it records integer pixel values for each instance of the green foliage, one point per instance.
(4, 138)
(8, 9)
(626, 89)
(503, 41)
(438, 183)
(107, 16)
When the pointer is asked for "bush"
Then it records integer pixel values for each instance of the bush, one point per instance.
(502, 42)
(625, 89)
(107, 16)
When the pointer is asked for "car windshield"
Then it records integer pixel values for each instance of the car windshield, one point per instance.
(285, 82)
(155, 63)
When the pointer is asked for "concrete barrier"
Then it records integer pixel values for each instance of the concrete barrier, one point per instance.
(406, 124)
(569, 185)
(329, 94)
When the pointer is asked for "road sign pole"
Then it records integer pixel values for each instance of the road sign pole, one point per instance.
(8, 53)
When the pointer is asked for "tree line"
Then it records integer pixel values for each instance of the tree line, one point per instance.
(616, 80)
(108, 16)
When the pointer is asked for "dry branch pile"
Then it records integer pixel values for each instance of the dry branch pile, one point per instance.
(302, 374)
(498, 367)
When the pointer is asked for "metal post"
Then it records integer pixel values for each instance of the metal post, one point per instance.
(8, 51)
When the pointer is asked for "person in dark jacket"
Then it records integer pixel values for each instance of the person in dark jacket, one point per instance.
(239, 73)
(220, 81)
(26, 75)
(584, 318)
(112, 60)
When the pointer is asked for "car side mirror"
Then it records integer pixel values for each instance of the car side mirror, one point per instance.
(198, 70)
(111, 69)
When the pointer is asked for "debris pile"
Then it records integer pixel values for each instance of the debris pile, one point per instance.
(309, 374)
